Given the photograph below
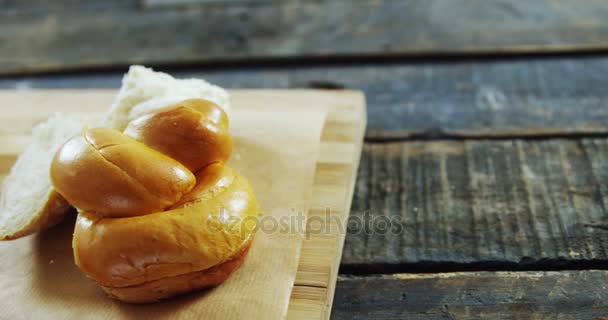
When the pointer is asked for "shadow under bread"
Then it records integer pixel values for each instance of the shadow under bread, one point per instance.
(55, 276)
(58, 283)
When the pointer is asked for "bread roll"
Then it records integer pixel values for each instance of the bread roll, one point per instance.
(148, 228)
(106, 172)
(193, 132)
(211, 226)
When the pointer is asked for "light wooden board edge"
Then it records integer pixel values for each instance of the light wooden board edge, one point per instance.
(336, 173)
(356, 156)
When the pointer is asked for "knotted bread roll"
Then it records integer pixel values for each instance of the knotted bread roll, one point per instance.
(148, 226)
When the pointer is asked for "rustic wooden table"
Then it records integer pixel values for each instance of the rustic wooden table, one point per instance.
(486, 148)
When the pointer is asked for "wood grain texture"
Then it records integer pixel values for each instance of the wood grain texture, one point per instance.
(515, 204)
(496, 98)
(476, 295)
(43, 36)
(333, 187)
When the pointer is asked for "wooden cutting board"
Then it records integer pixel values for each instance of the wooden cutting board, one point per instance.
(333, 187)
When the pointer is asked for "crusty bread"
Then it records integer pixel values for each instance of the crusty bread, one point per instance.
(144, 90)
(28, 202)
(202, 129)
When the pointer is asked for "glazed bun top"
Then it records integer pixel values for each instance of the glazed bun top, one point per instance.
(106, 172)
(193, 132)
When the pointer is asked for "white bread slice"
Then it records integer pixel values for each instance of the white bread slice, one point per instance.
(28, 202)
(144, 90)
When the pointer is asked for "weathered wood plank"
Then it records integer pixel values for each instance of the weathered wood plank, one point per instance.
(470, 204)
(47, 36)
(478, 295)
(557, 96)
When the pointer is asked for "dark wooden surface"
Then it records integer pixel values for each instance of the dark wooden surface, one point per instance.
(425, 99)
(574, 295)
(480, 204)
(484, 161)
(55, 35)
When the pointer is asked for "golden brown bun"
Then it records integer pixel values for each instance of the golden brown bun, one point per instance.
(193, 132)
(171, 286)
(106, 172)
(208, 227)
(148, 228)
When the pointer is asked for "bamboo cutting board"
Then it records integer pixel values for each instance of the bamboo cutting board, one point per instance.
(333, 186)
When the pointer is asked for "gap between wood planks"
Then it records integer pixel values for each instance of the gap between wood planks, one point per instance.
(492, 266)
(334, 60)
(440, 135)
